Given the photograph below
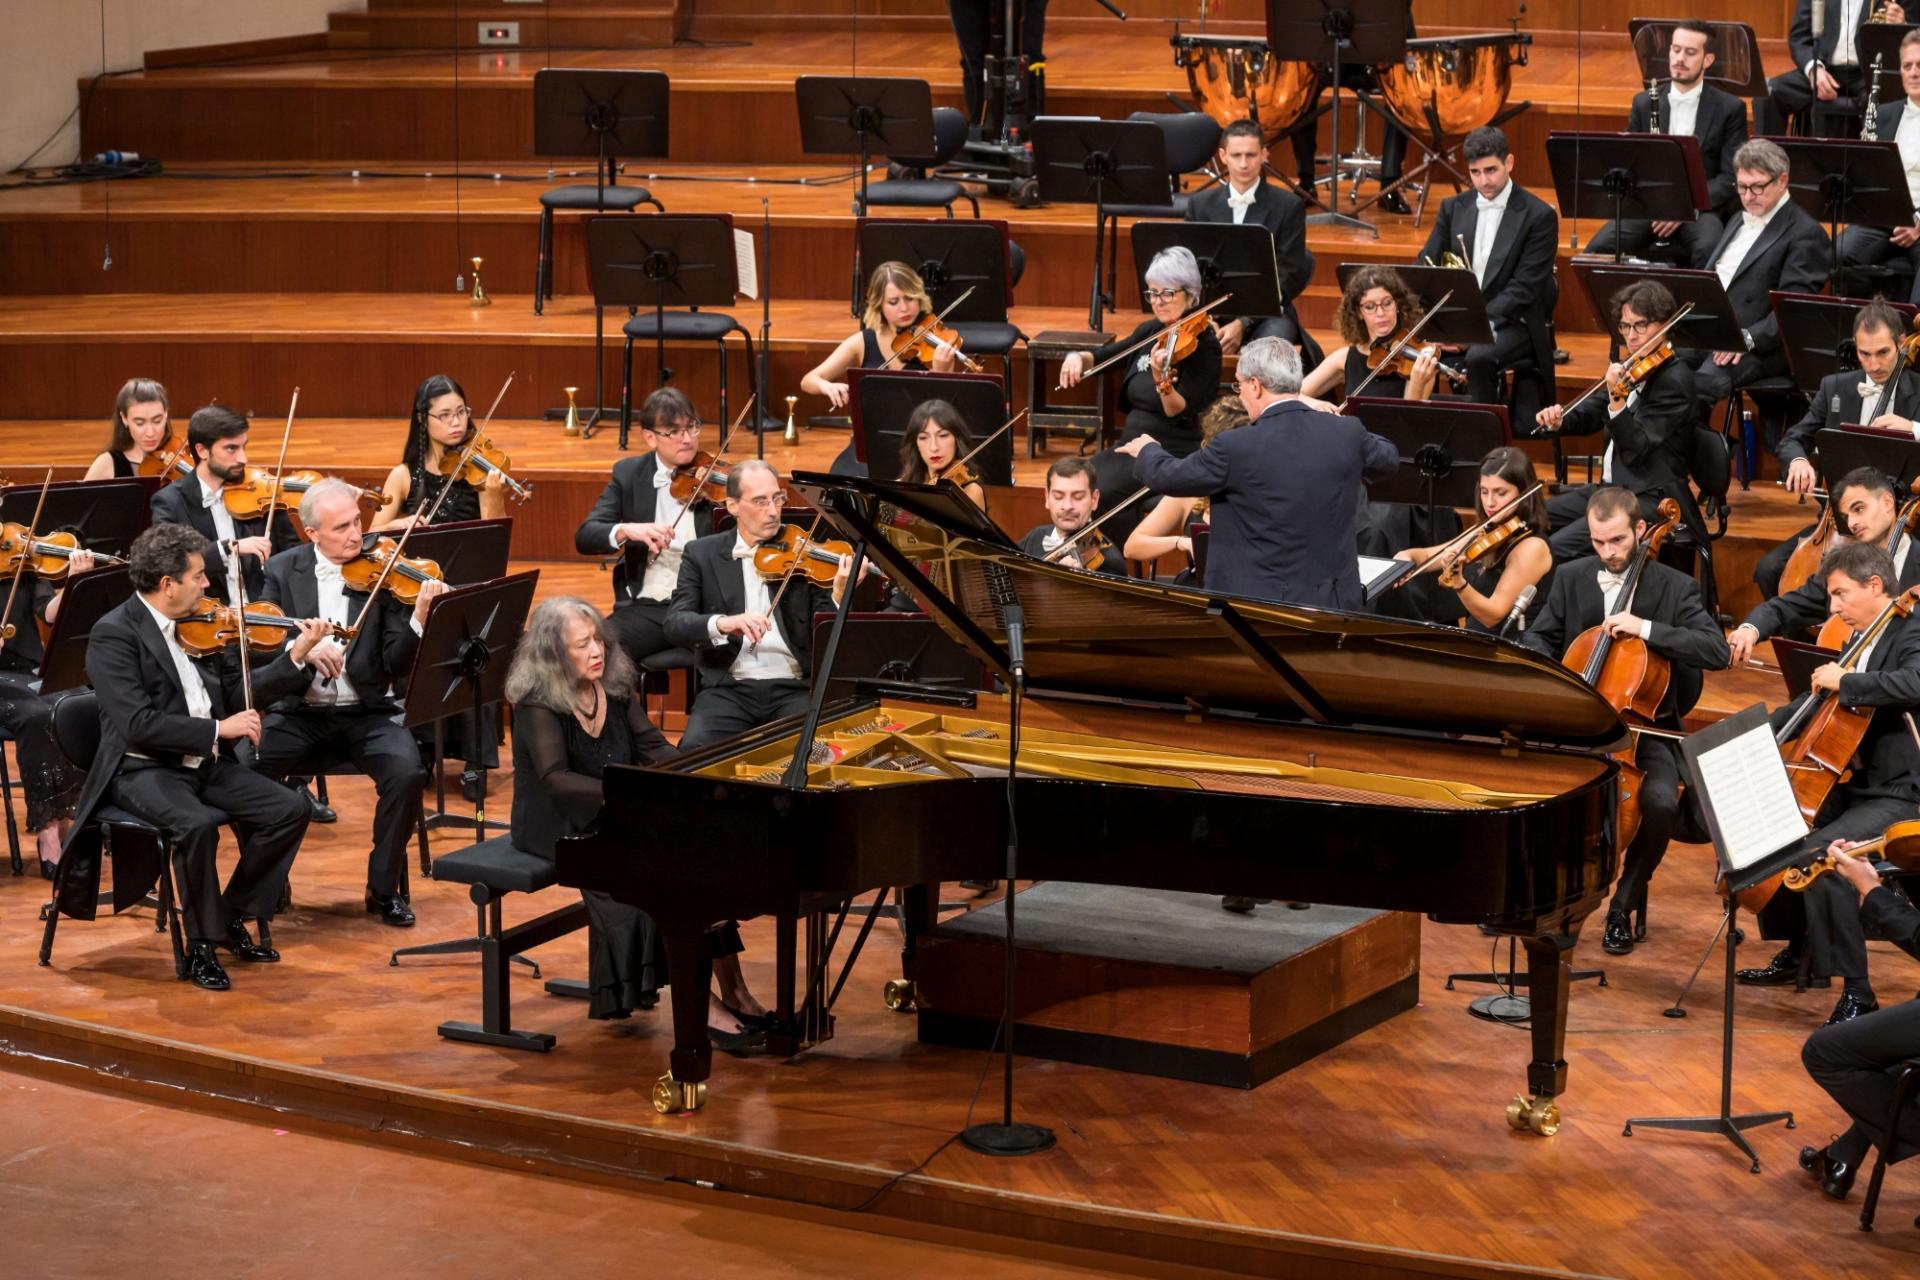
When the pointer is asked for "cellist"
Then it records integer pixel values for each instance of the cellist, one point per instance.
(1667, 613)
(1823, 923)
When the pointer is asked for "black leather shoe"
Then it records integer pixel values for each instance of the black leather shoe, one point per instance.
(394, 910)
(47, 869)
(241, 943)
(1851, 1005)
(1834, 1176)
(1780, 971)
(751, 1021)
(1394, 202)
(470, 786)
(1617, 940)
(203, 970)
(740, 1043)
(319, 811)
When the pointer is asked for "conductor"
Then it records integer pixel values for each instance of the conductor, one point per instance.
(1284, 488)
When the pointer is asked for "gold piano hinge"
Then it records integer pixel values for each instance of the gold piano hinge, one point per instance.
(1196, 709)
(1509, 743)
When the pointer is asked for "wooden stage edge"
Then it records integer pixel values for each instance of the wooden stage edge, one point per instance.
(464, 1127)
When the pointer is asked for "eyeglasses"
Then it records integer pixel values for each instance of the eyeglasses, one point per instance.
(1379, 308)
(447, 417)
(1753, 188)
(680, 430)
(766, 501)
(1637, 326)
(1164, 295)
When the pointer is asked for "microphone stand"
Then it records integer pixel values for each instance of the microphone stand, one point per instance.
(766, 328)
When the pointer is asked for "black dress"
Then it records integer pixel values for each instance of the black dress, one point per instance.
(122, 468)
(51, 782)
(557, 771)
(423, 487)
(1388, 386)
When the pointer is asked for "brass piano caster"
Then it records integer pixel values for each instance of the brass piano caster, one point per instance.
(1540, 1115)
(899, 995)
(670, 1095)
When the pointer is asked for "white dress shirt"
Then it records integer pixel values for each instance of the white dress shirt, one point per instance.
(1486, 227)
(1610, 584)
(199, 701)
(663, 568)
(1683, 108)
(1866, 655)
(224, 534)
(1907, 136)
(1606, 460)
(1845, 54)
(331, 591)
(1744, 236)
(771, 659)
(1238, 201)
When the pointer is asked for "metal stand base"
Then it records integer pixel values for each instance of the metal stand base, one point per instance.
(1509, 1010)
(1006, 1139)
(474, 1033)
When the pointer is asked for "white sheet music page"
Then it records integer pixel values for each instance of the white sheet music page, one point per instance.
(1746, 784)
(746, 264)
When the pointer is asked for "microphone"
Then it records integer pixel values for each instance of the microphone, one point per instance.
(1016, 624)
(1520, 604)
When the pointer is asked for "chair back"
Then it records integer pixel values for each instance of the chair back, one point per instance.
(1710, 463)
(1192, 138)
(76, 726)
(949, 135)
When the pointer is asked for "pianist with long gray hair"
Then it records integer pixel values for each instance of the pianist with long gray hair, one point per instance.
(576, 711)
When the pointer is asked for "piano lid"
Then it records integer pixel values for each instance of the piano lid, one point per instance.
(1096, 635)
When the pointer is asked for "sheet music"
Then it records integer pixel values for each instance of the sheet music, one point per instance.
(1747, 789)
(746, 264)
(1372, 567)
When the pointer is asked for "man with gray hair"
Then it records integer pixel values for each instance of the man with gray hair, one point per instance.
(1284, 488)
(345, 712)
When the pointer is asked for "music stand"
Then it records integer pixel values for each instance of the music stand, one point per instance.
(901, 648)
(1099, 162)
(1737, 67)
(1710, 326)
(1335, 32)
(1816, 332)
(1462, 322)
(951, 255)
(1655, 177)
(663, 260)
(1847, 180)
(461, 665)
(1895, 455)
(1239, 260)
(1440, 445)
(849, 115)
(883, 400)
(467, 551)
(1882, 38)
(107, 515)
(1797, 661)
(63, 665)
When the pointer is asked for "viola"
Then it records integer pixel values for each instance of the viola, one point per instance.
(1490, 540)
(252, 497)
(1898, 844)
(1635, 372)
(477, 460)
(921, 340)
(1393, 353)
(215, 627)
(48, 556)
(409, 573)
(704, 479)
(792, 551)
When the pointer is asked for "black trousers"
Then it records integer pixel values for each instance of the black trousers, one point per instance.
(723, 710)
(973, 28)
(1713, 383)
(269, 818)
(1766, 574)
(307, 741)
(1791, 94)
(1854, 1060)
(642, 627)
(1635, 236)
(1827, 915)
(51, 783)
(1874, 247)
(1659, 808)
(1486, 360)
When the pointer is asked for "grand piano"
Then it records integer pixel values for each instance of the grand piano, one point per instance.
(1168, 739)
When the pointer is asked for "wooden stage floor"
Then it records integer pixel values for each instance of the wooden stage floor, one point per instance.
(1389, 1155)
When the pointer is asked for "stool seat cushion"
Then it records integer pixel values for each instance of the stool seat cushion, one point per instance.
(496, 864)
(697, 326)
(918, 193)
(588, 197)
(113, 813)
(987, 337)
(1176, 208)
(668, 660)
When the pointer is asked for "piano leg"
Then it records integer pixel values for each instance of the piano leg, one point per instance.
(690, 972)
(1548, 973)
(919, 911)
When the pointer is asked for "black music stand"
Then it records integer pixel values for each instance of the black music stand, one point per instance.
(1440, 445)
(1233, 259)
(1336, 32)
(1846, 180)
(1462, 322)
(883, 399)
(1895, 455)
(1816, 332)
(1655, 177)
(87, 599)
(107, 515)
(1710, 326)
(896, 648)
(852, 115)
(1099, 162)
(1737, 66)
(952, 255)
(1797, 661)
(1883, 39)
(461, 666)
(607, 115)
(664, 260)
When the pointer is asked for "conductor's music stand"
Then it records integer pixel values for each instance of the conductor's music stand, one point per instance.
(1462, 322)
(855, 115)
(1654, 177)
(1099, 162)
(1337, 32)
(1440, 445)
(659, 260)
(883, 400)
(1846, 180)
(107, 515)
(63, 665)
(1816, 332)
(1233, 259)
(951, 255)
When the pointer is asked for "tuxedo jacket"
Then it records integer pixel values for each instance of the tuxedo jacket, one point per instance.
(1652, 437)
(1800, 41)
(181, 503)
(710, 583)
(1887, 763)
(1798, 442)
(1720, 124)
(1791, 255)
(1683, 631)
(379, 659)
(1035, 545)
(1796, 612)
(1282, 213)
(629, 499)
(1517, 281)
(142, 707)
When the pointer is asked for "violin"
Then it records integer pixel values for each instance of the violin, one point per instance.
(1092, 553)
(409, 573)
(1898, 844)
(1393, 353)
(48, 556)
(479, 459)
(921, 340)
(262, 628)
(792, 551)
(1635, 372)
(1490, 540)
(703, 479)
(1182, 338)
(1646, 358)
(1188, 325)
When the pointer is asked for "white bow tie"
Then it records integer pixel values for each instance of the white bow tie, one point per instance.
(1753, 223)
(1053, 540)
(211, 497)
(1868, 389)
(741, 551)
(1236, 200)
(662, 477)
(1484, 204)
(1610, 581)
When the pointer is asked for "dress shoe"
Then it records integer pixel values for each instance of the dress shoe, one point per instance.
(1834, 1176)
(241, 943)
(1780, 971)
(1394, 202)
(47, 869)
(751, 1021)
(470, 786)
(740, 1043)
(203, 970)
(980, 886)
(1851, 1005)
(1617, 940)
(318, 810)
(392, 909)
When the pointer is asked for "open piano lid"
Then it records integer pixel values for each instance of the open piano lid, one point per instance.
(1119, 638)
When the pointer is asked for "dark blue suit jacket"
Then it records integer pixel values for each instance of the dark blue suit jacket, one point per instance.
(1284, 491)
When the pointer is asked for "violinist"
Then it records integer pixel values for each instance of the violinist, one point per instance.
(1823, 923)
(1247, 197)
(49, 780)
(1486, 588)
(1071, 498)
(1375, 308)
(1648, 420)
(755, 664)
(1666, 612)
(936, 437)
(347, 710)
(169, 727)
(638, 514)
(217, 443)
(1859, 396)
(140, 428)
(441, 426)
(1864, 507)
(896, 301)
(1163, 530)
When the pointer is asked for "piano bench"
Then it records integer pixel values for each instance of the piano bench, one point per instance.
(492, 869)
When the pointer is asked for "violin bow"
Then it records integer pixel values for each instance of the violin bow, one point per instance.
(26, 554)
(721, 447)
(919, 331)
(1073, 539)
(1659, 336)
(280, 466)
(473, 445)
(957, 463)
(1448, 551)
(1151, 338)
(1394, 351)
(806, 540)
